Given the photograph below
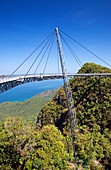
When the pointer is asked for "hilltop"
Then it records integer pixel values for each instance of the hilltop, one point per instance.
(92, 101)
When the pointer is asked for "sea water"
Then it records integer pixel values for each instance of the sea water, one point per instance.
(26, 91)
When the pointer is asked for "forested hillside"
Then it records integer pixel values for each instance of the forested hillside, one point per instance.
(48, 146)
(28, 109)
(92, 101)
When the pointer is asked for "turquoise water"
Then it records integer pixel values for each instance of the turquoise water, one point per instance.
(26, 91)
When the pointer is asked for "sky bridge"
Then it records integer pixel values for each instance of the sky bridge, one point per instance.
(8, 82)
(43, 52)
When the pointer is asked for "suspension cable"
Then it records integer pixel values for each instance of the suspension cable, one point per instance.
(72, 52)
(48, 55)
(85, 48)
(44, 54)
(32, 53)
(37, 56)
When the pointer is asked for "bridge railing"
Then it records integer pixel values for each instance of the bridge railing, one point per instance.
(9, 78)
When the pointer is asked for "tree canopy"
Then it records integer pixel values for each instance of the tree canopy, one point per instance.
(25, 148)
(49, 147)
(92, 102)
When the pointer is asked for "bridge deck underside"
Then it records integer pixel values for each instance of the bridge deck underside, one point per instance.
(11, 82)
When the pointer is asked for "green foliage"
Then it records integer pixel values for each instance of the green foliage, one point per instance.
(92, 147)
(22, 147)
(28, 109)
(50, 151)
(92, 101)
(14, 137)
(93, 68)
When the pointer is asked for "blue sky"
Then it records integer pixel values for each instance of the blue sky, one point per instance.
(25, 23)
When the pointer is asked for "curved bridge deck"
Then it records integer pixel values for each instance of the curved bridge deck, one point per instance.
(8, 82)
